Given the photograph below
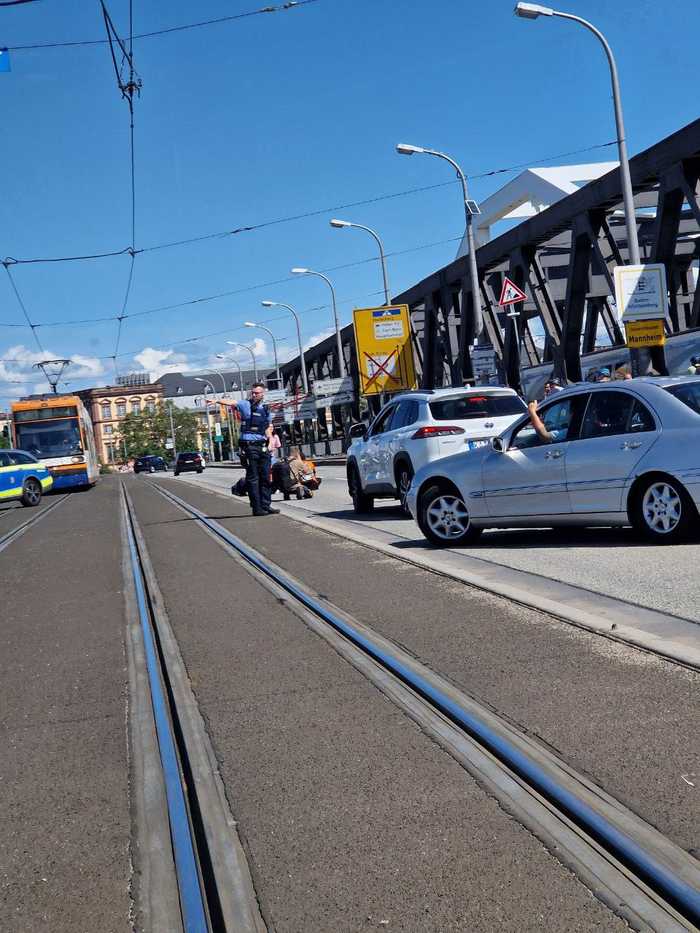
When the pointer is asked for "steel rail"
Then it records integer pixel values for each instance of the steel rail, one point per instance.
(14, 533)
(192, 900)
(684, 898)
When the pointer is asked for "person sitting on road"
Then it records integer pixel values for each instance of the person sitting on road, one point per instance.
(304, 473)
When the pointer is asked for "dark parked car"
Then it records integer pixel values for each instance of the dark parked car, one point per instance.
(150, 464)
(188, 461)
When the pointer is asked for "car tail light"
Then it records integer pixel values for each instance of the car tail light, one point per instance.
(436, 430)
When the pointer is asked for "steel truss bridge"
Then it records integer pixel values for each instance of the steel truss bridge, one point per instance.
(563, 258)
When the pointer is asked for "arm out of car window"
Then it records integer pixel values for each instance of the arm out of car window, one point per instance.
(538, 424)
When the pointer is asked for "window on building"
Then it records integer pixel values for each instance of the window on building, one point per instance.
(106, 411)
(150, 406)
(108, 429)
(121, 409)
(135, 406)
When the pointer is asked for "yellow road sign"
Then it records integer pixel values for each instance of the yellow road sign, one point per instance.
(384, 351)
(645, 333)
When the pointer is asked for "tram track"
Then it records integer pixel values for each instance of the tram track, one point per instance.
(632, 867)
(213, 890)
(14, 533)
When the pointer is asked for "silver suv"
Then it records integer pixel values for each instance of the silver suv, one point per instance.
(414, 429)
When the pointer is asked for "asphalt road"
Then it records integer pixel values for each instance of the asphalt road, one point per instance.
(607, 561)
(353, 818)
(64, 820)
(624, 718)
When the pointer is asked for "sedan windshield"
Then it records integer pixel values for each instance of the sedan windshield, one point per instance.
(461, 407)
(57, 438)
(688, 393)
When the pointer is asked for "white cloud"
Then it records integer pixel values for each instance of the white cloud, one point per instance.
(259, 348)
(17, 365)
(317, 338)
(157, 362)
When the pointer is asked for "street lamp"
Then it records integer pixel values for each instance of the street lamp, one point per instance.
(532, 11)
(208, 385)
(221, 356)
(339, 224)
(252, 356)
(274, 347)
(341, 360)
(471, 208)
(281, 304)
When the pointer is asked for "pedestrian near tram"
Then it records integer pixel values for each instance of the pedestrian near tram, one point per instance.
(256, 428)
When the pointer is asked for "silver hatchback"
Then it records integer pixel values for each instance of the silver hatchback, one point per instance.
(618, 453)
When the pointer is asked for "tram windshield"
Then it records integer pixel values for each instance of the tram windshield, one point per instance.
(55, 438)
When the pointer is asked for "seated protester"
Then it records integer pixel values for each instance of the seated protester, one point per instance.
(304, 474)
(282, 479)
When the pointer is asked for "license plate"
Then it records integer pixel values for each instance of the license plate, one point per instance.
(481, 443)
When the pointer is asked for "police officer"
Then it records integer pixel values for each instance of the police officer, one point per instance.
(256, 427)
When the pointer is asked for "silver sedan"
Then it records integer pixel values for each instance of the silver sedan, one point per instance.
(614, 453)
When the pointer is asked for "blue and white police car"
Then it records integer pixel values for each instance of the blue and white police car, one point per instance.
(23, 477)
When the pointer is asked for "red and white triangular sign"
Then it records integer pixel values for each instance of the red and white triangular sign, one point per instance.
(510, 293)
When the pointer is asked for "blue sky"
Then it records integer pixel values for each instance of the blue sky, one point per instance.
(276, 115)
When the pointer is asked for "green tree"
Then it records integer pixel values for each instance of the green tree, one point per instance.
(4, 441)
(147, 432)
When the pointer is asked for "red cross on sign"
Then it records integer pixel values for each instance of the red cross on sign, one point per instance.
(382, 368)
(510, 293)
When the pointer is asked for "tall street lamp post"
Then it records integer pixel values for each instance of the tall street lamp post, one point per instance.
(221, 356)
(281, 304)
(320, 275)
(533, 11)
(208, 385)
(274, 348)
(339, 224)
(471, 208)
(252, 355)
(229, 425)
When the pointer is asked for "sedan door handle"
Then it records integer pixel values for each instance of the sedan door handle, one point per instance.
(630, 445)
(553, 455)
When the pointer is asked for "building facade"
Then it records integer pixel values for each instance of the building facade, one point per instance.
(109, 405)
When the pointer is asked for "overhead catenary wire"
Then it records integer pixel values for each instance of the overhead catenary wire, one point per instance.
(127, 91)
(232, 330)
(237, 291)
(24, 308)
(169, 30)
(291, 218)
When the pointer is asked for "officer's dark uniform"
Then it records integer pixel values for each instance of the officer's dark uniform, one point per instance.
(255, 419)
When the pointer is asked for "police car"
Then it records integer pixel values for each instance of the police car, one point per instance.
(23, 477)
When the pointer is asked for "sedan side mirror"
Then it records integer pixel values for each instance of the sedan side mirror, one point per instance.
(497, 444)
(358, 430)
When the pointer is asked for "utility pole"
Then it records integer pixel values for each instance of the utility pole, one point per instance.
(172, 430)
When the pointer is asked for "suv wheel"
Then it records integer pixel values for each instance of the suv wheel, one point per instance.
(662, 510)
(361, 502)
(404, 475)
(444, 519)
